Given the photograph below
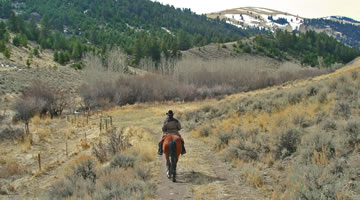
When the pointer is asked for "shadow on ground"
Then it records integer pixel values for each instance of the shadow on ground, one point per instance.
(197, 178)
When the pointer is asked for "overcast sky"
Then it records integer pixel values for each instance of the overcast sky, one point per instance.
(303, 8)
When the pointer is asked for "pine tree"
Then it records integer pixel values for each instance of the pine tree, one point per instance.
(7, 53)
(61, 58)
(13, 24)
(56, 56)
(2, 45)
(76, 50)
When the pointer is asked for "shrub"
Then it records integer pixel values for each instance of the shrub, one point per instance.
(318, 182)
(352, 129)
(329, 125)
(243, 151)
(319, 142)
(121, 184)
(322, 97)
(354, 75)
(100, 152)
(11, 134)
(115, 143)
(312, 91)
(123, 161)
(16, 41)
(286, 143)
(86, 170)
(11, 168)
(205, 130)
(78, 65)
(7, 52)
(223, 139)
(295, 97)
(343, 110)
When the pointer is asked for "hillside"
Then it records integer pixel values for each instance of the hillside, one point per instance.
(344, 29)
(142, 28)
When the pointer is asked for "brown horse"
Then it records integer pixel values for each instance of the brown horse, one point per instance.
(172, 148)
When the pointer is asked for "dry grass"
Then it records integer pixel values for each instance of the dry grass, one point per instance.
(298, 132)
(11, 168)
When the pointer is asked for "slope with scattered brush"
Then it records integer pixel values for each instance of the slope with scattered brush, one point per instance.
(297, 141)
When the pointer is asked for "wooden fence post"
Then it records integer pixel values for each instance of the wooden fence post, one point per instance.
(66, 148)
(39, 161)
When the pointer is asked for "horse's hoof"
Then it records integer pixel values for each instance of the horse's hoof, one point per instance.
(174, 180)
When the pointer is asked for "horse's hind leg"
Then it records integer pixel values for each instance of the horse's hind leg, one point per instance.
(174, 173)
(168, 164)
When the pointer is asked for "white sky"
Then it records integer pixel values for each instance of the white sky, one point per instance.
(303, 8)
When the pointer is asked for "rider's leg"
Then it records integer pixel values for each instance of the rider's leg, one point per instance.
(160, 151)
(183, 151)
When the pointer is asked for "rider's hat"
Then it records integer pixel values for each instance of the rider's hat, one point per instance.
(170, 113)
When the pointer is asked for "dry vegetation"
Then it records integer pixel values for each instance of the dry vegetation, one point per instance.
(186, 80)
(298, 143)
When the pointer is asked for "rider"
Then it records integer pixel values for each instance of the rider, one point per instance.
(171, 126)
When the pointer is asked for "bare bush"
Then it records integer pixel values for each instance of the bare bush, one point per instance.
(25, 108)
(116, 61)
(100, 152)
(115, 143)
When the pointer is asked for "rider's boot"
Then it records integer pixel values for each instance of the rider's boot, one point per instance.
(160, 151)
(183, 151)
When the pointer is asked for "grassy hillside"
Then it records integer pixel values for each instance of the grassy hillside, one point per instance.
(299, 141)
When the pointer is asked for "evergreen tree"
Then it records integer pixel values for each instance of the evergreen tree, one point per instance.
(7, 52)
(13, 23)
(56, 56)
(61, 58)
(2, 45)
(76, 50)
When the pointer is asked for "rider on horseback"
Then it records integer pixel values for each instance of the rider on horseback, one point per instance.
(171, 126)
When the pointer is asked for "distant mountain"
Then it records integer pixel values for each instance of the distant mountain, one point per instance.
(345, 29)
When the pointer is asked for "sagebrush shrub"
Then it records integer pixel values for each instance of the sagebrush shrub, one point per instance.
(244, 151)
(352, 129)
(342, 109)
(295, 97)
(12, 134)
(286, 143)
(123, 161)
(223, 139)
(86, 170)
(205, 130)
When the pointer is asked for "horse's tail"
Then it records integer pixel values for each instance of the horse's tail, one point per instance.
(172, 151)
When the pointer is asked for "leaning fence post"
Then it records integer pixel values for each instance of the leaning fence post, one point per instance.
(111, 121)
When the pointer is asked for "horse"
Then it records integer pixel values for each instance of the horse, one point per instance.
(172, 147)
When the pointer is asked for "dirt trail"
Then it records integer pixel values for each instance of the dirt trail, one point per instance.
(201, 173)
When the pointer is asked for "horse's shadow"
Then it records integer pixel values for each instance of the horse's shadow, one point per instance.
(197, 178)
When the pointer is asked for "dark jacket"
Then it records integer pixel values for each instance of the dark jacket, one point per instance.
(171, 125)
